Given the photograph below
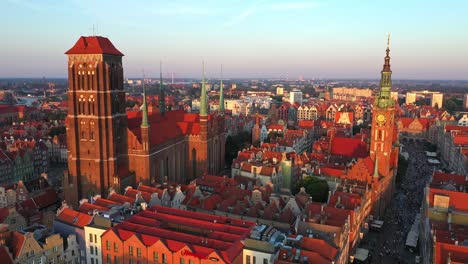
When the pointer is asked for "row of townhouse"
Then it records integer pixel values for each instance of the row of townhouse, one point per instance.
(452, 145)
(35, 244)
(22, 160)
(282, 233)
(322, 110)
(27, 203)
(443, 225)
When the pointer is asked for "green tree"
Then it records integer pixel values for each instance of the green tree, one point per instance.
(357, 128)
(277, 98)
(273, 135)
(57, 131)
(450, 106)
(235, 143)
(317, 188)
(420, 101)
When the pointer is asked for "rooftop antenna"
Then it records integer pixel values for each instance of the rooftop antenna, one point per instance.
(93, 29)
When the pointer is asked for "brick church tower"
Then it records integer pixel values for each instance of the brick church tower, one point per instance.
(383, 122)
(96, 121)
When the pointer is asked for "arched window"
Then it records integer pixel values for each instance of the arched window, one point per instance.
(91, 101)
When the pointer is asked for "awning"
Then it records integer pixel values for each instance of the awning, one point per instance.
(412, 239)
(361, 254)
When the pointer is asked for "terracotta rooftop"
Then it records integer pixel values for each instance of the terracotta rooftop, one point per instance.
(5, 255)
(349, 147)
(172, 124)
(94, 45)
(74, 218)
(220, 234)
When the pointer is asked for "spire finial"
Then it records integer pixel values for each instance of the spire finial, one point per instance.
(221, 93)
(386, 67)
(144, 119)
(388, 40)
(203, 110)
(162, 104)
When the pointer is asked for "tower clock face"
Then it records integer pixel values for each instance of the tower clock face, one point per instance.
(380, 119)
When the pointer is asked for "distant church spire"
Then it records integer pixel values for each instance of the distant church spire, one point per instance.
(221, 94)
(203, 99)
(376, 166)
(162, 103)
(144, 120)
(384, 99)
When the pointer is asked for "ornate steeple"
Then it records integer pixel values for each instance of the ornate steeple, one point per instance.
(376, 167)
(144, 119)
(203, 99)
(384, 99)
(221, 94)
(162, 102)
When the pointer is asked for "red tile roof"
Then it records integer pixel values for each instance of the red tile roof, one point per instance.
(89, 208)
(46, 199)
(4, 213)
(457, 199)
(440, 177)
(335, 216)
(94, 45)
(17, 243)
(458, 254)
(172, 124)
(130, 192)
(74, 218)
(5, 256)
(306, 124)
(460, 140)
(149, 189)
(455, 127)
(121, 198)
(218, 183)
(332, 171)
(406, 121)
(319, 246)
(349, 147)
(222, 234)
(27, 208)
(105, 202)
(349, 200)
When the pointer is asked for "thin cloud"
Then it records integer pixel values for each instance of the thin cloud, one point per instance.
(183, 10)
(246, 13)
(26, 4)
(293, 5)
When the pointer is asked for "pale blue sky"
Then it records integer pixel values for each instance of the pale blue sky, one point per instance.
(265, 38)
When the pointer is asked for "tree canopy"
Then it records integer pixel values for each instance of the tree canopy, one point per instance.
(317, 188)
(236, 143)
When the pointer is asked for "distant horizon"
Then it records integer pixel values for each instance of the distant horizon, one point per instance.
(252, 39)
(248, 78)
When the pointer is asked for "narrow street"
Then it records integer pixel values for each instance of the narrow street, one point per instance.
(388, 246)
